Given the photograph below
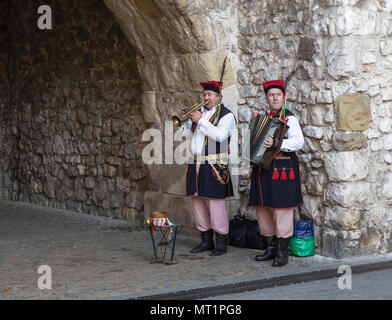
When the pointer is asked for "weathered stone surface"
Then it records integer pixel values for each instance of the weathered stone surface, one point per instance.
(387, 142)
(342, 218)
(313, 132)
(370, 241)
(306, 48)
(388, 158)
(310, 208)
(387, 186)
(132, 214)
(340, 244)
(244, 114)
(324, 96)
(149, 8)
(135, 200)
(386, 94)
(368, 58)
(336, 3)
(208, 66)
(58, 145)
(386, 47)
(36, 186)
(343, 58)
(202, 31)
(313, 186)
(117, 200)
(376, 145)
(346, 165)
(351, 194)
(173, 179)
(317, 116)
(249, 91)
(80, 195)
(243, 76)
(49, 187)
(348, 141)
(386, 126)
(353, 112)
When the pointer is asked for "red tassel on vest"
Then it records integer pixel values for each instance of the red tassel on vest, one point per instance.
(275, 175)
(291, 175)
(283, 175)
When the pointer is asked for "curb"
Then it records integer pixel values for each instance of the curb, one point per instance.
(284, 280)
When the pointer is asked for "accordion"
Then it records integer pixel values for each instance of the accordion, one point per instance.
(262, 126)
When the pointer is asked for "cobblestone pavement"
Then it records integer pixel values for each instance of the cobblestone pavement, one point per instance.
(94, 257)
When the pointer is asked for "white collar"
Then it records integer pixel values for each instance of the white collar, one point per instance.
(209, 111)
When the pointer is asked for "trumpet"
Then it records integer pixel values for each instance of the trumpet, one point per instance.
(178, 120)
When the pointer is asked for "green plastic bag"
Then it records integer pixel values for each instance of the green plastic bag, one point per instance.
(302, 247)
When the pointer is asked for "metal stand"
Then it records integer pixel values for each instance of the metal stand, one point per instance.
(163, 240)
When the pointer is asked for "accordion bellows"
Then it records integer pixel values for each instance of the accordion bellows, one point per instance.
(262, 126)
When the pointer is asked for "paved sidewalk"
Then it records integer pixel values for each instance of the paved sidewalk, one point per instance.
(101, 258)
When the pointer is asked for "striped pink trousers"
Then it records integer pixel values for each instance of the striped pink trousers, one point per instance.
(275, 221)
(210, 213)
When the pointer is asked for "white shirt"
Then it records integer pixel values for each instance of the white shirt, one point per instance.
(293, 139)
(204, 128)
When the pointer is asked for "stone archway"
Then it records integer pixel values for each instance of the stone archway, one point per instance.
(178, 44)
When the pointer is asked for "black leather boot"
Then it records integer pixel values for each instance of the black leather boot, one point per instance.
(282, 257)
(207, 243)
(221, 244)
(272, 249)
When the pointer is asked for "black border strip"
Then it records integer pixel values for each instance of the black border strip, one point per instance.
(207, 292)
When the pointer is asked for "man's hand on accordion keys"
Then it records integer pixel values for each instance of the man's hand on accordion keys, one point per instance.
(269, 141)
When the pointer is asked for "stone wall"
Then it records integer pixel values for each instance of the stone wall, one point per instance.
(71, 117)
(339, 58)
(7, 140)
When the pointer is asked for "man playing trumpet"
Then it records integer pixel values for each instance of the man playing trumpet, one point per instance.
(208, 180)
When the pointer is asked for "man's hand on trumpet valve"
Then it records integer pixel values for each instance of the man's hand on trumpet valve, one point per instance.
(195, 116)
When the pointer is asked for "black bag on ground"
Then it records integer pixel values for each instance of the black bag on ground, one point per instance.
(245, 233)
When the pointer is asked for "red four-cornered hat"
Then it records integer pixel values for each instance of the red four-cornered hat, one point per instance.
(274, 84)
(211, 85)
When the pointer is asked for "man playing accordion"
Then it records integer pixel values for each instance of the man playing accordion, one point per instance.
(276, 191)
